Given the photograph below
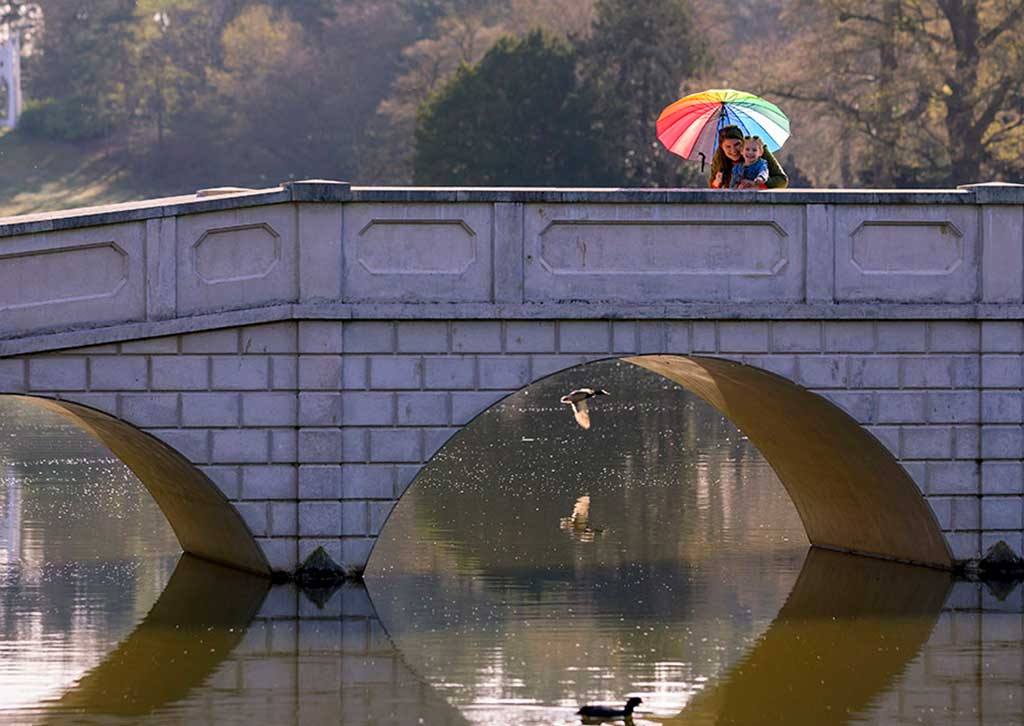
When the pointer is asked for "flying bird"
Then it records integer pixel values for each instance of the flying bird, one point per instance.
(578, 400)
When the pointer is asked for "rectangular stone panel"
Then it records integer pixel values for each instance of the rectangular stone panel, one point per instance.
(906, 254)
(664, 252)
(236, 258)
(58, 279)
(418, 252)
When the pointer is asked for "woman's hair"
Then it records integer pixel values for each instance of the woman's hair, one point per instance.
(756, 139)
(732, 131)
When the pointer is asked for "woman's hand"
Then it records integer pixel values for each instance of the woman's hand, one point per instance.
(718, 181)
(748, 184)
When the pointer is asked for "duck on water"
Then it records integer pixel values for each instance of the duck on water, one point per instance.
(605, 712)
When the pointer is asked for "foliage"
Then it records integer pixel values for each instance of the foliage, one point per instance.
(638, 56)
(200, 92)
(518, 117)
(87, 48)
(457, 32)
(923, 92)
(65, 119)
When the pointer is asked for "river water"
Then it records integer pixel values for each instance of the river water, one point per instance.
(532, 568)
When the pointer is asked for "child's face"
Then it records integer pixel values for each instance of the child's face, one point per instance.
(751, 152)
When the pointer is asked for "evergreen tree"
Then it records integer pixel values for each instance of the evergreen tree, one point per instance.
(518, 117)
(639, 54)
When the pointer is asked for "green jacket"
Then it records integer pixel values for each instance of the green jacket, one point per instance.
(777, 178)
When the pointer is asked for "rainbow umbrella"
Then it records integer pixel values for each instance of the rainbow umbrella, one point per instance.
(689, 127)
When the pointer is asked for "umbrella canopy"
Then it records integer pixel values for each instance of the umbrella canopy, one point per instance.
(689, 127)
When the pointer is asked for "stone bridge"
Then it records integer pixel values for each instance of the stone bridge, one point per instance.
(277, 365)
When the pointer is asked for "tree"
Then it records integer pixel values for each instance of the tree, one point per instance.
(453, 33)
(928, 90)
(639, 54)
(427, 65)
(85, 49)
(518, 117)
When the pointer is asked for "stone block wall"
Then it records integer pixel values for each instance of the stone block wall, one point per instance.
(315, 428)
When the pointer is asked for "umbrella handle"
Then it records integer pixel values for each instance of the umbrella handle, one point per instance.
(703, 159)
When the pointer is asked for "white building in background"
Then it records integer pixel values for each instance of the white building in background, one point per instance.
(10, 514)
(10, 77)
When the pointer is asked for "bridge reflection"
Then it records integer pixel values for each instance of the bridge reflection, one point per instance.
(848, 630)
(214, 630)
(201, 616)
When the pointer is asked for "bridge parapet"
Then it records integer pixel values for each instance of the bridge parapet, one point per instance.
(794, 254)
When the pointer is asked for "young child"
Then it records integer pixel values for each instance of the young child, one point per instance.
(753, 168)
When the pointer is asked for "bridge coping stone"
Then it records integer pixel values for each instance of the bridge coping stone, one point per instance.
(325, 191)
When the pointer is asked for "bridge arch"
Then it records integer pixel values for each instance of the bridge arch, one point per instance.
(206, 524)
(850, 492)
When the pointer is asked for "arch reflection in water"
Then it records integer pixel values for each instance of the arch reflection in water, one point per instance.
(207, 652)
(201, 616)
(848, 630)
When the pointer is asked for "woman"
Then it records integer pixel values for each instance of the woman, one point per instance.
(730, 146)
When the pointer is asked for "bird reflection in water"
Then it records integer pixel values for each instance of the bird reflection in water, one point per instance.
(578, 523)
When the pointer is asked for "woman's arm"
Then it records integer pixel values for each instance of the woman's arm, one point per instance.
(777, 178)
(718, 165)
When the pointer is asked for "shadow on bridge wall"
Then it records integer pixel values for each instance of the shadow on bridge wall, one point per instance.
(849, 491)
(206, 524)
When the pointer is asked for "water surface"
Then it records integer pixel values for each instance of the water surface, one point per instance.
(690, 584)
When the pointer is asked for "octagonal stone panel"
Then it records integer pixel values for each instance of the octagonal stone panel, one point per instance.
(56, 279)
(906, 254)
(721, 248)
(236, 258)
(417, 252)
(391, 247)
(662, 253)
(921, 248)
(248, 252)
(72, 274)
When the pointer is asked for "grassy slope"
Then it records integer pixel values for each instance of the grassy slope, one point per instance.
(38, 175)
